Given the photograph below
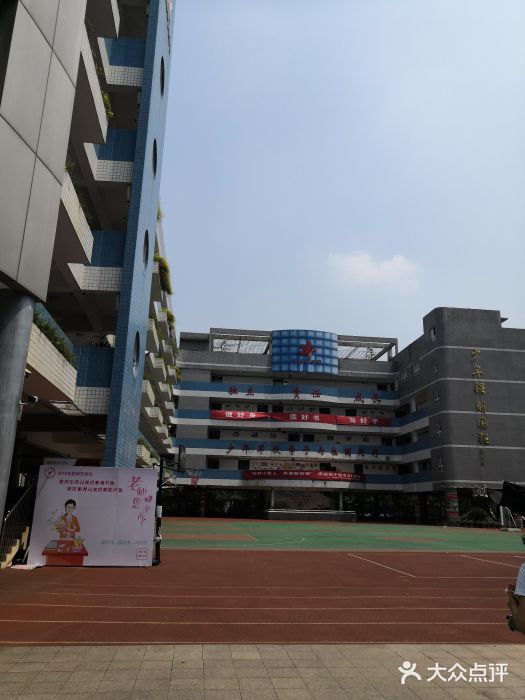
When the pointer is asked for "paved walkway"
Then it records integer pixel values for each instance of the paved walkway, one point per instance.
(261, 672)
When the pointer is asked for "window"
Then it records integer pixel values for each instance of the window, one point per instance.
(294, 437)
(432, 334)
(365, 439)
(350, 412)
(308, 437)
(381, 387)
(403, 375)
(214, 434)
(215, 406)
(440, 464)
(324, 410)
(386, 441)
(416, 367)
(439, 432)
(262, 408)
(434, 367)
(254, 435)
(216, 378)
(358, 469)
(278, 408)
(243, 464)
(435, 396)
(329, 437)
(212, 462)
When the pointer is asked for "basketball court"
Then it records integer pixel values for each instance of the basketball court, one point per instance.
(237, 582)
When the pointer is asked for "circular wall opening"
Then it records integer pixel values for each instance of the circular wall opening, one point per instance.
(136, 353)
(154, 156)
(145, 250)
(162, 75)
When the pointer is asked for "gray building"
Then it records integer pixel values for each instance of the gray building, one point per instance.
(299, 418)
(85, 320)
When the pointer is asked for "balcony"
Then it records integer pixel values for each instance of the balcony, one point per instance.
(112, 162)
(52, 377)
(156, 288)
(156, 367)
(153, 339)
(148, 395)
(89, 278)
(123, 61)
(74, 240)
(104, 17)
(143, 456)
(167, 352)
(90, 123)
(161, 317)
(165, 391)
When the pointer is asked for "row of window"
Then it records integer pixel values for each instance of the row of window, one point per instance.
(282, 408)
(215, 434)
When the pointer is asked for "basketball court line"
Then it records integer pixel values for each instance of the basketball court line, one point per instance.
(489, 561)
(404, 573)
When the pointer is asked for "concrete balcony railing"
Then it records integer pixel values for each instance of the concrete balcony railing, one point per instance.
(74, 240)
(161, 318)
(156, 367)
(153, 344)
(53, 378)
(156, 287)
(90, 278)
(165, 390)
(123, 61)
(155, 419)
(143, 456)
(167, 352)
(148, 395)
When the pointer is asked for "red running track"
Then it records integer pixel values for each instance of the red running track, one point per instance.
(207, 596)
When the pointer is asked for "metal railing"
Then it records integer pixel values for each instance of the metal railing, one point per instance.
(15, 521)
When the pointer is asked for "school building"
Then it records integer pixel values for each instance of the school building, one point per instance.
(271, 421)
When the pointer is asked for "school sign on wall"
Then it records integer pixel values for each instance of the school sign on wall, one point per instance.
(93, 516)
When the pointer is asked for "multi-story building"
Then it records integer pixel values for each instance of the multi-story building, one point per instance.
(305, 419)
(86, 329)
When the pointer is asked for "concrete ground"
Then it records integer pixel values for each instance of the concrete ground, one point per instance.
(262, 672)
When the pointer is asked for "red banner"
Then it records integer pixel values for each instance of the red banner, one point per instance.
(303, 474)
(302, 418)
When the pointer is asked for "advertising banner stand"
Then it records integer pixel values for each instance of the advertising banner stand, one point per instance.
(93, 516)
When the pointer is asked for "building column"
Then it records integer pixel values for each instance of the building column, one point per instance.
(451, 505)
(340, 501)
(16, 319)
(272, 498)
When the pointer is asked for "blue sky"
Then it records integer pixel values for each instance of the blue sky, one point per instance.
(345, 165)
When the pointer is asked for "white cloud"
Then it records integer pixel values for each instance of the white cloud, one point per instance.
(360, 270)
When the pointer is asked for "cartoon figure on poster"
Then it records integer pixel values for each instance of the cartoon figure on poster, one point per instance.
(68, 527)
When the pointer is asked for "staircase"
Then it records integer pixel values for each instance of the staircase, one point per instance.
(14, 536)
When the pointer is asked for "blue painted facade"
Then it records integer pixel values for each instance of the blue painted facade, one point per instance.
(304, 351)
(126, 52)
(279, 389)
(94, 366)
(127, 373)
(108, 248)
